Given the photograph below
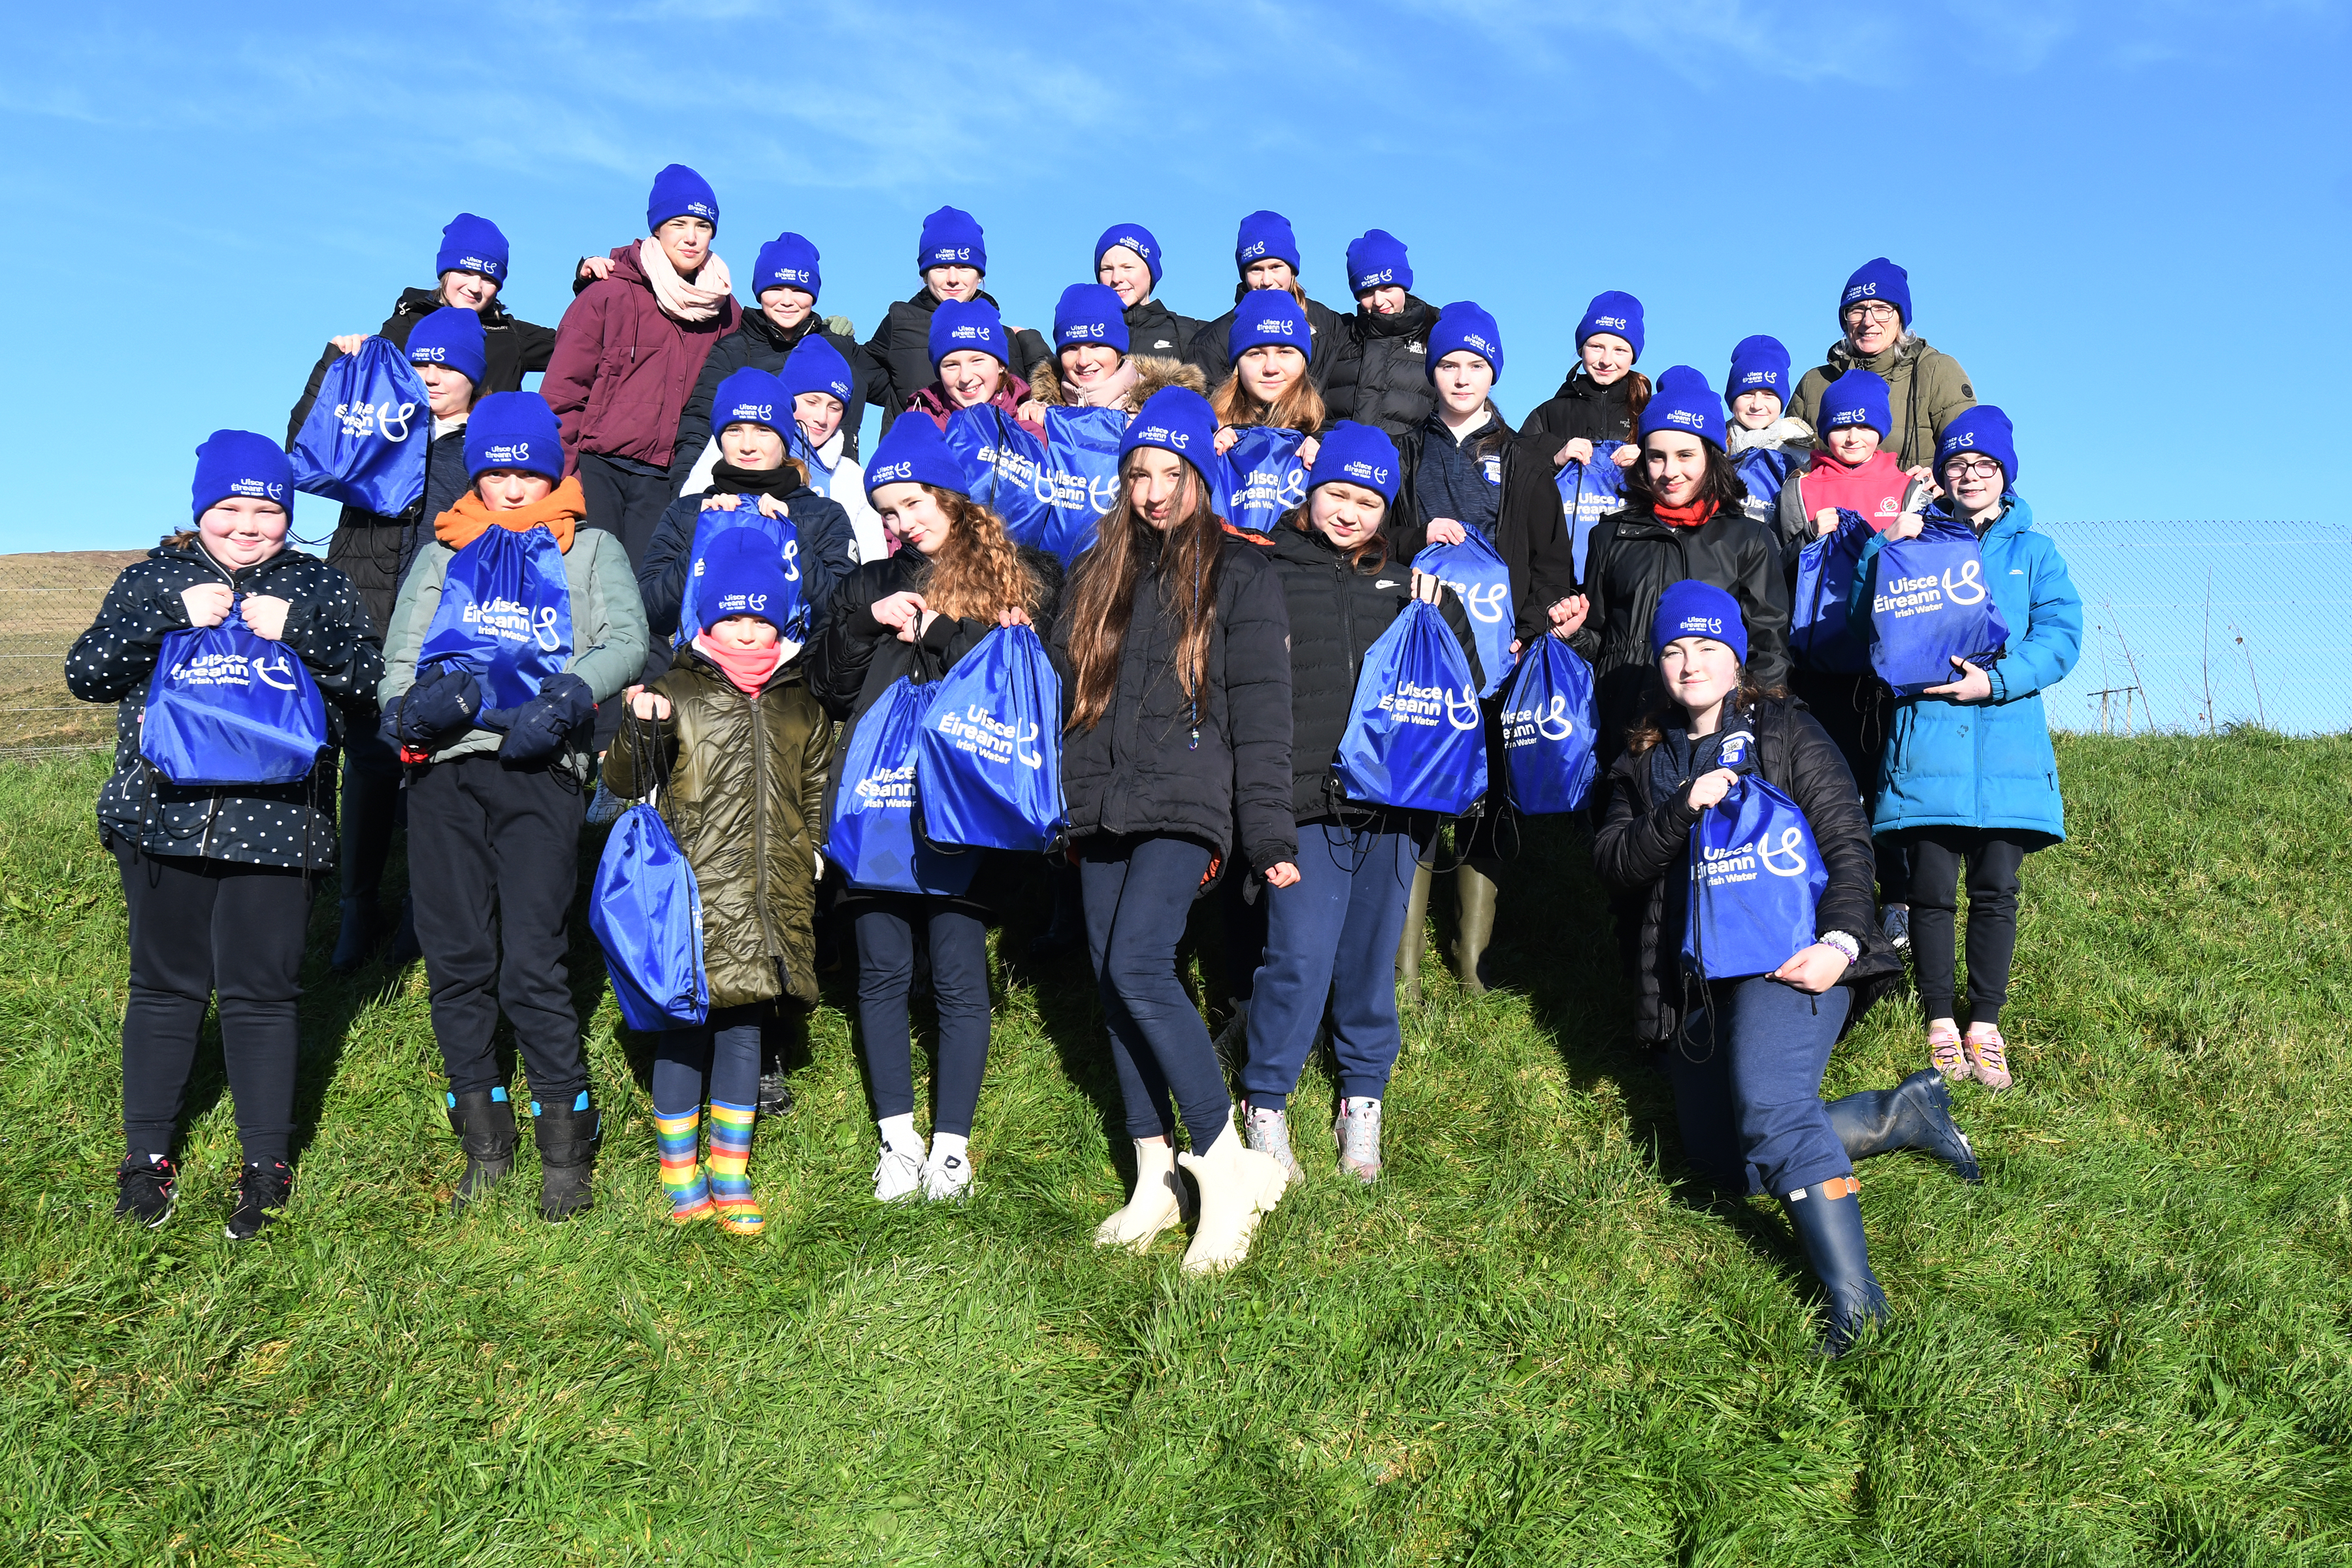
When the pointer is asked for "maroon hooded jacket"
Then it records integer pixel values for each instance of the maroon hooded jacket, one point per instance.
(621, 370)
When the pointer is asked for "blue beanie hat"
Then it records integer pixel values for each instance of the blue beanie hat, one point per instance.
(1135, 237)
(1174, 419)
(751, 396)
(1466, 325)
(514, 430)
(960, 325)
(1986, 431)
(951, 238)
(1877, 278)
(815, 366)
(787, 261)
(1377, 260)
(1090, 314)
(680, 192)
(1617, 313)
(1691, 608)
(1684, 401)
(470, 243)
(1858, 398)
(1356, 455)
(240, 463)
(913, 452)
(1758, 365)
(451, 335)
(1613, 311)
(1268, 316)
(742, 574)
(1265, 236)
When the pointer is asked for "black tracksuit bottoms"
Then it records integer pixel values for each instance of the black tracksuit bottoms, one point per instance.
(491, 869)
(199, 930)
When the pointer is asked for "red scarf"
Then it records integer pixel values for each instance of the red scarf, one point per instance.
(746, 669)
(1690, 516)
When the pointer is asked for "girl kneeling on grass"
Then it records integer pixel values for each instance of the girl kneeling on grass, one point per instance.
(218, 877)
(1968, 774)
(956, 577)
(739, 749)
(1746, 1055)
(1178, 738)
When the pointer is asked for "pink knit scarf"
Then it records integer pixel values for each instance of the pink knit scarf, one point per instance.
(679, 300)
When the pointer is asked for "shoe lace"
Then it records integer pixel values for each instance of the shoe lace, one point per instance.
(1361, 1120)
(263, 1186)
(1944, 1051)
(1269, 1133)
(1991, 1048)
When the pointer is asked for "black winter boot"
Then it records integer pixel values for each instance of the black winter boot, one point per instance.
(484, 1121)
(1827, 1217)
(567, 1155)
(1915, 1114)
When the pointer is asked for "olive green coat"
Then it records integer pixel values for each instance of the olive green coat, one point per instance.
(743, 787)
(1925, 387)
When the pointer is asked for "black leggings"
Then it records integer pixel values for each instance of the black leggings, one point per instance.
(886, 973)
(1138, 892)
(199, 930)
(1936, 855)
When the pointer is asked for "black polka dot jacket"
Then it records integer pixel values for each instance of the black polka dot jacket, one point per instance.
(291, 826)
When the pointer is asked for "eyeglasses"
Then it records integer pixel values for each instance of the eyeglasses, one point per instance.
(1971, 469)
(1860, 314)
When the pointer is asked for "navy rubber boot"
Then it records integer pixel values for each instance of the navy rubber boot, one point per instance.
(1915, 1114)
(1827, 1217)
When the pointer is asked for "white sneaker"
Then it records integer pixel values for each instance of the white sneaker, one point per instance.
(947, 1177)
(1268, 1132)
(1357, 1134)
(897, 1175)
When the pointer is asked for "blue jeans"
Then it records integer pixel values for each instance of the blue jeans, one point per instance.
(1332, 937)
(1748, 1087)
(1139, 893)
(887, 927)
(719, 1060)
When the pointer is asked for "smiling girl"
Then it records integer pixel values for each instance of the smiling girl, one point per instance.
(970, 358)
(1603, 396)
(217, 879)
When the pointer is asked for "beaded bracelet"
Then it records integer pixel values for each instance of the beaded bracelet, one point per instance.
(1843, 943)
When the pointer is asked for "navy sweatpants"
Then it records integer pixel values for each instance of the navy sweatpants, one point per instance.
(1138, 892)
(1747, 1086)
(1331, 937)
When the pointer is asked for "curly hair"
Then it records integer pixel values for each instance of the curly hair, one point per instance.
(978, 572)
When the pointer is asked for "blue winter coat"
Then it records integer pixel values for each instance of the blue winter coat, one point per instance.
(1987, 765)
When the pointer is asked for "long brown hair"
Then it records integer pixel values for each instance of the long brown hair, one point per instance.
(1106, 579)
(1637, 398)
(1651, 728)
(1301, 408)
(977, 573)
(1722, 484)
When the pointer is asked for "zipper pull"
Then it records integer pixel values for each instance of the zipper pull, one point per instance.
(1196, 740)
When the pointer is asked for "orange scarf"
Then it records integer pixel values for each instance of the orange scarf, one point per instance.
(1692, 516)
(559, 512)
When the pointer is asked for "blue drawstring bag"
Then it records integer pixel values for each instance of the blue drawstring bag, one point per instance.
(1755, 882)
(1588, 492)
(365, 440)
(988, 769)
(1417, 740)
(1549, 725)
(870, 833)
(1764, 470)
(505, 615)
(1819, 634)
(790, 619)
(1473, 570)
(1004, 460)
(226, 706)
(1266, 479)
(1928, 601)
(1080, 479)
(646, 913)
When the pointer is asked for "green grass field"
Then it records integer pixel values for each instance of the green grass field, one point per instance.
(2130, 1345)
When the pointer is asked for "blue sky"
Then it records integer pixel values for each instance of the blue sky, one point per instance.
(2130, 225)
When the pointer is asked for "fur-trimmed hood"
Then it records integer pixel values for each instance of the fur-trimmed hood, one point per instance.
(1152, 372)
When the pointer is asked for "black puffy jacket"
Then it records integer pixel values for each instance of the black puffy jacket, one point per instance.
(855, 658)
(828, 544)
(512, 349)
(899, 352)
(1582, 410)
(1530, 532)
(1336, 612)
(1208, 353)
(1153, 329)
(1152, 764)
(1379, 374)
(1633, 559)
(1644, 840)
(761, 345)
(291, 826)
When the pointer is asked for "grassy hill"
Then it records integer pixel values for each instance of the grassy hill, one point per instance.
(2130, 1345)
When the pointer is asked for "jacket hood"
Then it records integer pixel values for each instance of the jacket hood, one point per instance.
(1880, 362)
(755, 320)
(626, 268)
(1782, 432)
(2018, 518)
(1417, 315)
(1154, 372)
(425, 302)
(192, 553)
(925, 301)
(1580, 385)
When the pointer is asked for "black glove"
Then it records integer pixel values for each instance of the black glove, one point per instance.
(538, 728)
(442, 703)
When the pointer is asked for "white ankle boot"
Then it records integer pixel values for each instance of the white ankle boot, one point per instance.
(1158, 1201)
(1237, 1185)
